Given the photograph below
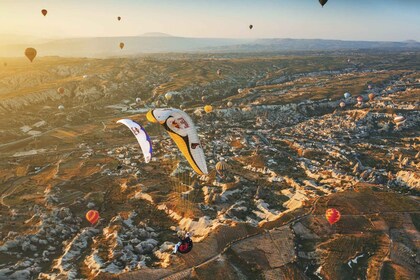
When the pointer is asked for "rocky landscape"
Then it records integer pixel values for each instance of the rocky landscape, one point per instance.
(291, 148)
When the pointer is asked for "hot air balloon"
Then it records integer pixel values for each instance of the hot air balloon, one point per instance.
(323, 2)
(138, 99)
(240, 90)
(119, 18)
(399, 120)
(181, 107)
(181, 129)
(121, 45)
(342, 104)
(30, 53)
(360, 99)
(142, 137)
(332, 215)
(251, 26)
(208, 108)
(168, 96)
(203, 98)
(371, 96)
(92, 216)
(347, 95)
(369, 86)
(61, 107)
(44, 12)
(219, 72)
(221, 167)
(229, 104)
(60, 90)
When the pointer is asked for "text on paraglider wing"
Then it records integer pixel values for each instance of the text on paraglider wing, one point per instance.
(183, 122)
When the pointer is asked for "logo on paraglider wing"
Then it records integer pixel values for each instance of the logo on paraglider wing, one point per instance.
(183, 122)
(135, 130)
(194, 145)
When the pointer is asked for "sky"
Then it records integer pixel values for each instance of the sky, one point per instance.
(372, 20)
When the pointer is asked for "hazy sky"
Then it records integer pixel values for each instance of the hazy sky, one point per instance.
(389, 20)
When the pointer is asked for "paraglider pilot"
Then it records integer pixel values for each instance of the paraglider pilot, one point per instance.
(185, 244)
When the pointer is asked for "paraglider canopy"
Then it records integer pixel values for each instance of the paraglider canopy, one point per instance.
(332, 215)
(181, 129)
(142, 137)
(44, 12)
(30, 53)
(92, 216)
(323, 2)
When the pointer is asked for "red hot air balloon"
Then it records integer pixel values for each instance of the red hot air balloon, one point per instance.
(371, 96)
(332, 215)
(60, 90)
(44, 12)
(360, 99)
(92, 216)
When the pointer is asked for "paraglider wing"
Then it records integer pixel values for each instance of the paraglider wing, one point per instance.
(142, 137)
(332, 215)
(182, 130)
(323, 2)
(30, 53)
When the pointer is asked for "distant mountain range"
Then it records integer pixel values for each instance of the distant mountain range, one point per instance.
(159, 42)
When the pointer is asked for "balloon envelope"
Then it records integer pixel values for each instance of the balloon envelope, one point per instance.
(251, 26)
(30, 53)
(347, 95)
(342, 104)
(60, 90)
(168, 96)
(121, 45)
(332, 215)
(371, 96)
(44, 12)
(142, 137)
(92, 216)
(229, 104)
(323, 2)
(119, 18)
(208, 108)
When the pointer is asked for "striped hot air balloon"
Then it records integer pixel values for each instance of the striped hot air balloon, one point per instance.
(92, 216)
(332, 215)
(221, 167)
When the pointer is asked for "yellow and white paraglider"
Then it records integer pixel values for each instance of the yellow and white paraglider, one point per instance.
(182, 130)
